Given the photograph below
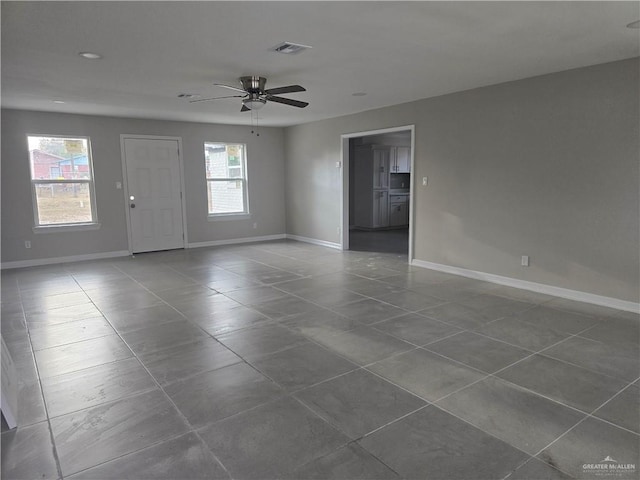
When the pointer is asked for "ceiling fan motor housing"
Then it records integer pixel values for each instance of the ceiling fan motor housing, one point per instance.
(253, 84)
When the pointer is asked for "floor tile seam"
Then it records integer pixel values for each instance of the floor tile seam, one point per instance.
(194, 324)
(616, 395)
(520, 465)
(366, 297)
(633, 344)
(528, 390)
(366, 434)
(46, 324)
(555, 329)
(353, 442)
(120, 331)
(228, 269)
(458, 362)
(355, 369)
(171, 267)
(137, 450)
(243, 412)
(588, 315)
(293, 393)
(583, 367)
(395, 317)
(107, 402)
(317, 343)
(246, 359)
(335, 334)
(535, 303)
(416, 345)
(54, 447)
(29, 313)
(161, 302)
(484, 335)
(503, 440)
(259, 323)
(414, 394)
(587, 417)
(542, 352)
(585, 413)
(297, 391)
(532, 353)
(175, 407)
(193, 375)
(76, 341)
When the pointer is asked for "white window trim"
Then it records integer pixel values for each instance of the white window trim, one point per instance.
(246, 214)
(67, 227)
(64, 227)
(224, 217)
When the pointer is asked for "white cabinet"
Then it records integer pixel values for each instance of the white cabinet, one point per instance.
(371, 186)
(400, 159)
(398, 210)
(374, 206)
(380, 167)
(380, 216)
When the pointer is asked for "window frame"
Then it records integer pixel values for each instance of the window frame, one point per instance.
(244, 179)
(38, 227)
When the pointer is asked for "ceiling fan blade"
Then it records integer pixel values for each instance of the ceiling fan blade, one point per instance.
(238, 89)
(215, 98)
(287, 101)
(244, 108)
(287, 89)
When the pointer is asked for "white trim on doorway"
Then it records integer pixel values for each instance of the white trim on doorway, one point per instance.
(344, 201)
(125, 186)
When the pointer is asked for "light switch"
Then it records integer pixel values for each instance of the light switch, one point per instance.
(119, 185)
(425, 180)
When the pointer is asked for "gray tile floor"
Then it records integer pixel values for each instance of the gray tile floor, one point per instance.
(292, 361)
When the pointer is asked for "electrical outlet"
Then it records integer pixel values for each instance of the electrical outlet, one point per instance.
(255, 225)
(27, 244)
(425, 181)
(525, 261)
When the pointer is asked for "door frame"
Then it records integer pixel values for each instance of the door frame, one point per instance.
(345, 162)
(125, 183)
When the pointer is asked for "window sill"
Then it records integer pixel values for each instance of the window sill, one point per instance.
(67, 228)
(228, 216)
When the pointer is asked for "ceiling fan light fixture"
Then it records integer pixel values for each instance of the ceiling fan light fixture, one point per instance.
(254, 103)
(90, 55)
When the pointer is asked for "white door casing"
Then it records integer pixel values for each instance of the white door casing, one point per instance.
(344, 165)
(153, 178)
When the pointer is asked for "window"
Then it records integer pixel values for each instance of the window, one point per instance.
(61, 181)
(226, 172)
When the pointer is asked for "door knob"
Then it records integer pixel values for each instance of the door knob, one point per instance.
(133, 205)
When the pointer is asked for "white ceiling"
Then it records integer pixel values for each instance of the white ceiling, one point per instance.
(396, 52)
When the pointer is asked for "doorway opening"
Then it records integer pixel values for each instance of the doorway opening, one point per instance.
(377, 191)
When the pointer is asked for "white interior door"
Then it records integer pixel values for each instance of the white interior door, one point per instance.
(154, 194)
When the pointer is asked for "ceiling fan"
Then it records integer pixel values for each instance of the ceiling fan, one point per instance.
(254, 96)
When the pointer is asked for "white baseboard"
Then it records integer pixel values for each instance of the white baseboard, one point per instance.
(315, 241)
(534, 287)
(74, 258)
(232, 241)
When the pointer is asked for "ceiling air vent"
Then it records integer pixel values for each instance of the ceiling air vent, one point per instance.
(290, 48)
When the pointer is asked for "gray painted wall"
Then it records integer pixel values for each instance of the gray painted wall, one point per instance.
(545, 167)
(265, 166)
